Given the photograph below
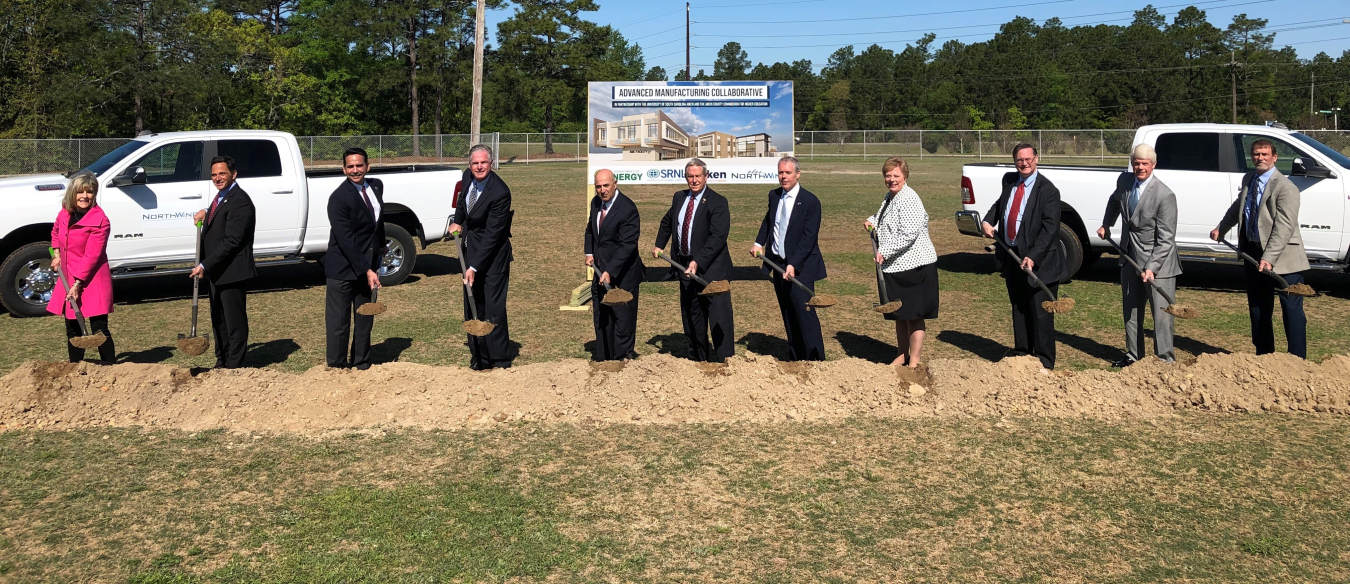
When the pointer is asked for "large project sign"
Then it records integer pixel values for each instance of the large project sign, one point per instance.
(646, 131)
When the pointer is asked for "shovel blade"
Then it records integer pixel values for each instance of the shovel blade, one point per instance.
(193, 345)
(716, 287)
(89, 341)
(371, 309)
(888, 307)
(822, 301)
(478, 328)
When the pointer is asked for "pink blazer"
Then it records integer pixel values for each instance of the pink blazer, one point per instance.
(84, 257)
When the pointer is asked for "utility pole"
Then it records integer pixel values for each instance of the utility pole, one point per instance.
(1312, 89)
(1232, 66)
(688, 72)
(476, 112)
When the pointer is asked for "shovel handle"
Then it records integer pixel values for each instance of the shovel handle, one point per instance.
(682, 268)
(74, 305)
(780, 270)
(881, 280)
(196, 282)
(459, 245)
(1139, 270)
(1034, 277)
(1251, 260)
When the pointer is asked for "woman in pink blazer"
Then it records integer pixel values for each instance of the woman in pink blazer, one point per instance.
(80, 237)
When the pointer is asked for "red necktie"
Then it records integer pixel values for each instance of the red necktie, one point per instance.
(1012, 213)
(688, 219)
(369, 207)
(601, 221)
(214, 205)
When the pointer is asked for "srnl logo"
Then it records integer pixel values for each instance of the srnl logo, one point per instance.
(654, 173)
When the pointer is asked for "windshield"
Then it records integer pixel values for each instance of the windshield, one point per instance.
(1328, 151)
(102, 165)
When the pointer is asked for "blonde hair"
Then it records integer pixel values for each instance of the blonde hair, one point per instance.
(895, 162)
(80, 183)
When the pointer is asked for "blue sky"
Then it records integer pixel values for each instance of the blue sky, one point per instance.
(777, 31)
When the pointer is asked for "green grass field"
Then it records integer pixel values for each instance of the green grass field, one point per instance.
(1190, 498)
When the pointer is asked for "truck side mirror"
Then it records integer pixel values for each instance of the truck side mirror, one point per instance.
(131, 176)
(1309, 168)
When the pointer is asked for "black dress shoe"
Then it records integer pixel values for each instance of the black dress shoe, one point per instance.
(363, 367)
(1123, 362)
(631, 355)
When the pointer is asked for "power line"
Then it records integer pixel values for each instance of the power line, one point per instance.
(945, 12)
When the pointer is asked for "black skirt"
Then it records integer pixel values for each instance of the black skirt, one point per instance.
(917, 291)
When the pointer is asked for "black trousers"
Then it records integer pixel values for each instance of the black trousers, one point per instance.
(97, 324)
(489, 297)
(229, 323)
(703, 314)
(615, 326)
(800, 322)
(1261, 307)
(340, 302)
(1033, 327)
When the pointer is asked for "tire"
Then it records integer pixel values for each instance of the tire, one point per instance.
(400, 258)
(27, 280)
(1073, 249)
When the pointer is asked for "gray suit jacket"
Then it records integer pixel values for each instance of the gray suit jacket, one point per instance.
(1277, 223)
(1150, 234)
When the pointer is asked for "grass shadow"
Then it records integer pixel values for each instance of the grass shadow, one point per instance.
(272, 352)
(867, 348)
(981, 347)
(153, 355)
(1092, 347)
(967, 263)
(388, 350)
(762, 344)
(671, 344)
(430, 264)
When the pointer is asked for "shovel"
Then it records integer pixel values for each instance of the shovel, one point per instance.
(886, 306)
(193, 344)
(373, 307)
(1174, 309)
(817, 300)
(87, 341)
(474, 327)
(1055, 306)
(1285, 288)
(616, 296)
(718, 287)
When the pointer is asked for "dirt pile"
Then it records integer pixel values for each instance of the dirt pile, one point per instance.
(656, 389)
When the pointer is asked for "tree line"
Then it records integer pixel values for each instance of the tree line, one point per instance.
(106, 68)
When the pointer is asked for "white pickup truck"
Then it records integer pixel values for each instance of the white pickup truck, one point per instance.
(1203, 164)
(151, 186)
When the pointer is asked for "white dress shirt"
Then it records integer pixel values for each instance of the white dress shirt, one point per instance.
(604, 207)
(1022, 210)
(370, 194)
(780, 222)
(679, 219)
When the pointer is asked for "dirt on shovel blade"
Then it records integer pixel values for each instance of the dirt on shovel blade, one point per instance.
(478, 328)
(716, 287)
(1060, 306)
(888, 307)
(617, 296)
(370, 309)
(1300, 290)
(822, 300)
(1182, 311)
(194, 345)
(89, 342)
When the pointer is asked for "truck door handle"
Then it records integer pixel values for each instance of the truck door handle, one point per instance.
(285, 192)
(190, 197)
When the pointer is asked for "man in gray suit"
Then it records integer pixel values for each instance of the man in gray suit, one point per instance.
(1149, 236)
(1266, 213)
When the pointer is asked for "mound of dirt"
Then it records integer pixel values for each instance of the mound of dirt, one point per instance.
(656, 389)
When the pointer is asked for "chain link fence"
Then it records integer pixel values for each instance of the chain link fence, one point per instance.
(41, 156)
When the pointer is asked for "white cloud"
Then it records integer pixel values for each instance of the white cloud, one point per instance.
(742, 128)
(686, 119)
(784, 90)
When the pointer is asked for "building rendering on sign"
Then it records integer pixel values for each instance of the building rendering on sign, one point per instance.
(648, 136)
(716, 145)
(754, 145)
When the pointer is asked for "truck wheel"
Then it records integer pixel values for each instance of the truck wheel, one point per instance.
(400, 256)
(27, 280)
(1073, 249)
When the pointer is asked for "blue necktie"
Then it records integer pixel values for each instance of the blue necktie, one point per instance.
(780, 227)
(1134, 198)
(1250, 217)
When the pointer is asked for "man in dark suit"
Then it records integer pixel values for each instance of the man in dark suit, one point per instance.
(227, 261)
(788, 237)
(699, 219)
(355, 248)
(1266, 213)
(484, 212)
(612, 230)
(1027, 216)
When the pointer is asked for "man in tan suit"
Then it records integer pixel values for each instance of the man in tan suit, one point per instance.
(1266, 214)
